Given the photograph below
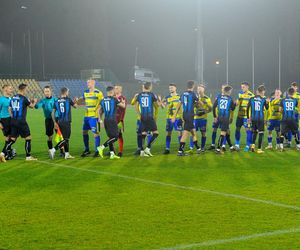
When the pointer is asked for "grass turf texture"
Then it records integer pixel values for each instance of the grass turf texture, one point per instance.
(46, 206)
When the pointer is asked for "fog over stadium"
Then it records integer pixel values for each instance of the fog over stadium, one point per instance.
(170, 36)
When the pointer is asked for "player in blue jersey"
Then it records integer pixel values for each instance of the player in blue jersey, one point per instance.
(222, 109)
(5, 118)
(216, 125)
(289, 122)
(256, 107)
(47, 104)
(62, 118)
(188, 102)
(146, 103)
(18, 108)
(108, 108)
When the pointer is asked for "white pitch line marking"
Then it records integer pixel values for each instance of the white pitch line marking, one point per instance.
(235, 196)
(234, 239)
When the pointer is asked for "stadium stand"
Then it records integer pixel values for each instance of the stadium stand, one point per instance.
(76, 86)
(34, 89)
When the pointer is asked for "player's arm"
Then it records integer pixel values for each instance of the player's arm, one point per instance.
(164, 103)
(39, 104)
(133, 101)
(214, 109)
(281, 106)
(122, 104)
(81, 100)
(248, 110)
(74, 102)
(137, 110)
(53, 116)
(178, 106)
(31, 104)
(209, 106)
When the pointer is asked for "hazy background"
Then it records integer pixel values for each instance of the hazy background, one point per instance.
(82, 34)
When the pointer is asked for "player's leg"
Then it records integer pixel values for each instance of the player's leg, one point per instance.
(203, 134)
(85, 136)
(277, 129)
(93, 122)
(169, 128)
(153, 128)
(67, 136)
(215, 126)
(270, 137)
(195, 140)
(254, 136)
(24, 132)
(238, 126)
(295, 131)
(249, 135)
(139, 137)
(228, 140)
(220, 141)
(197, 128)
(261, 128)
(7, 147)
(185, 135)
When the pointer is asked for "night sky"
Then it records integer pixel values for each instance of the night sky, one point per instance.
(94, 33)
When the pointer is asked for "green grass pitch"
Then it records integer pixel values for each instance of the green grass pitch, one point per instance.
(233, 201)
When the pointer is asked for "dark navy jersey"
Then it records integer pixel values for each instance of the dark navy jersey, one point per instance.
(109, 106)
(188, 100)
(289, 106)
(146, 102)
(223, 106)
(19, 104)
(256, 107)
(63, 107)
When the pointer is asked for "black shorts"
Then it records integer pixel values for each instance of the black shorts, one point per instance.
(224, 123)
(6, 123)
(289, 125)
(148, 124)
(19, 128)
(49, 125)
(111, 128)
(258, 125)
(188, 122)
(65, 128)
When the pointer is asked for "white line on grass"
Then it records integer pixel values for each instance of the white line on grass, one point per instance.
(234, 239)
(236, 196)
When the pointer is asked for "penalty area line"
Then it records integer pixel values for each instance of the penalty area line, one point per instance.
(165, 184)
(234, 239)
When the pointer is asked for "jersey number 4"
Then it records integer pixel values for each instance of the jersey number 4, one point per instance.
(15, 105)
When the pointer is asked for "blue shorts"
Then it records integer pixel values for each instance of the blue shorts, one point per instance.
(177, 125)
(90, 123)
(274, 125)
(242, 122)
(200, 124)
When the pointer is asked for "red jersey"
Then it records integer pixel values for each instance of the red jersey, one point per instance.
(121, 111)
